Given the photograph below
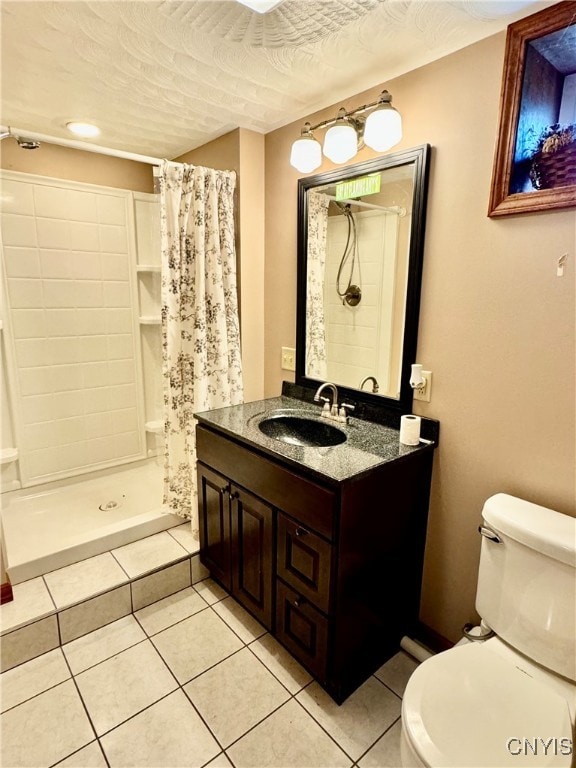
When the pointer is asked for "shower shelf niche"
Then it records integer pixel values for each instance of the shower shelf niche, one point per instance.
(148, 268)
(8, 455)
(154, 426)
(149, 320)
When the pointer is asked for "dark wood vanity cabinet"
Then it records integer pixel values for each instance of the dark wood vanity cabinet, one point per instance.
(331, 569)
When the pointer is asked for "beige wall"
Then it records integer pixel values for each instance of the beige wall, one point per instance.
(496, 325)
(75, 165)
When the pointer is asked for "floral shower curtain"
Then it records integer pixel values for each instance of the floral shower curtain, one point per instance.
(315, 323)
(201, 363)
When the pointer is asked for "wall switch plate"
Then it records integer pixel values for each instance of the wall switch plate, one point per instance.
(288, 359)
(424, 393)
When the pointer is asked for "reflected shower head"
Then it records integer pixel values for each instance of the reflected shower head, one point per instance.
(27, 143)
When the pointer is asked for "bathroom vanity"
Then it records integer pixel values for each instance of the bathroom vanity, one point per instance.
(323, 545)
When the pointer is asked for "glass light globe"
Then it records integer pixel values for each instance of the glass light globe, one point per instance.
(383, 128)
(306, 154)
(340, 142)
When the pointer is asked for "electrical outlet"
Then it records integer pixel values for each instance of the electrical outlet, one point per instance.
(288, 359)
(424, 393)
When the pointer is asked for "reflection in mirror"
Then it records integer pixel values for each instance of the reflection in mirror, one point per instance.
(360, 239)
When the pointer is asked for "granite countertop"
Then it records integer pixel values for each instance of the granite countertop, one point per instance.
(368, 444)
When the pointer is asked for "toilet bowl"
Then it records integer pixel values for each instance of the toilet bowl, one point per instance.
(509, 700)
(483, 704)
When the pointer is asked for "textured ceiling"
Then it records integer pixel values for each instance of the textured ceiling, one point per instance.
(161, 77)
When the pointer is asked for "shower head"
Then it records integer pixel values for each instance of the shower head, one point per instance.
(27, 143)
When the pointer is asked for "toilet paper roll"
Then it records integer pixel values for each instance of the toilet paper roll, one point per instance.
(410, 430)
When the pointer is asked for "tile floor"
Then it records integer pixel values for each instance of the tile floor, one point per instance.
(192, 680)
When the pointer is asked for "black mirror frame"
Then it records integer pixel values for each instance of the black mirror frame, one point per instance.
(420, 157)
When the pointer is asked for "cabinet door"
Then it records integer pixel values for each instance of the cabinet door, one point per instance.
(252, 554)
(302, 630)
(214, 519)
(304, 562)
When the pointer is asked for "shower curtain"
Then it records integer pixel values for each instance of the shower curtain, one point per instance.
(201, 363)
(315, 322)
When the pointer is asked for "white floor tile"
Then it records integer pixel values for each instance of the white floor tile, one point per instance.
(149, 553)
(281, 663)
(239, 620)
(396, 672)
(386, 752)
(85, 579)
(235, 695)
(210, 591)
(88, 757)
(172, 609)
(34, 677)
(289, 738)
(169, 733)
(122, 686)
(184, 536)
(103, 643)
(45, 729)
(195, 644)
(220, 761)
(31, 601)
(360, 720)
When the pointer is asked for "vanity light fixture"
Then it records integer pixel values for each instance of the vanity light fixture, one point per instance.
(85, 130)
(380, 130)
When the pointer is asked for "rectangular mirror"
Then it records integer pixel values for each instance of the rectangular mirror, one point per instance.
(360, 247)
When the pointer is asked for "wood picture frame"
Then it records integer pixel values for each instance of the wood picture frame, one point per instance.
(535, 157)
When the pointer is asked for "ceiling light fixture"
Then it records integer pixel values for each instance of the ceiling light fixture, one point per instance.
(260, 6)
(380, 130)
(86, 130)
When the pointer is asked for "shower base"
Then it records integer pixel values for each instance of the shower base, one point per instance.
(57, 524)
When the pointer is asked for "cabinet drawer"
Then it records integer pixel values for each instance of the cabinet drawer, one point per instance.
(302, 630)
(303, 560)
(279, 486)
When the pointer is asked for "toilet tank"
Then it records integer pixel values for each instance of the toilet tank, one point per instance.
(527, 582)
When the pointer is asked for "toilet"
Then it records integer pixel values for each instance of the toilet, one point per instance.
(508, 697)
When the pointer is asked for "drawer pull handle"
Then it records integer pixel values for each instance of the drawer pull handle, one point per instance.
(235, 495)
(301, 532)
(299, 601)
(224, 490)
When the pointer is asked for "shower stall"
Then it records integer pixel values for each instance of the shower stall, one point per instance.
(82, 403)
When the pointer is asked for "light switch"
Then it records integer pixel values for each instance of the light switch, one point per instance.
(288, 359)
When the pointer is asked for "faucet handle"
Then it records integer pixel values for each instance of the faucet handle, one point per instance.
(342, 415)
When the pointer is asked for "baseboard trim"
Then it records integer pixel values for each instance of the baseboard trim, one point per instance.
(431, 639)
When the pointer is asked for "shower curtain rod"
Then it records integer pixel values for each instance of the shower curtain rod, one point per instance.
(387, 209)
(7, 131)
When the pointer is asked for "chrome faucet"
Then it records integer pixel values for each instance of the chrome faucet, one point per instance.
(332, 410)
(375, 385)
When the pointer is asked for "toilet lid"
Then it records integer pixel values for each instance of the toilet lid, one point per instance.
(470, 707)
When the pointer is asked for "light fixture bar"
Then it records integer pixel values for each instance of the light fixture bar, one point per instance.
(348, 132)
(385, 98)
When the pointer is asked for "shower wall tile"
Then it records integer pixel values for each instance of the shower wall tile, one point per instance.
(25, 294)
(52, 233)
(30, 641)
(17, 197)
(111, 210)
(28, 323)
(95, 613)
(22, 262)
(69, 273)
(83, 236)
(18, 230)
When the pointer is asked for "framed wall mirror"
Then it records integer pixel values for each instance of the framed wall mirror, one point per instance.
(360, 250)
